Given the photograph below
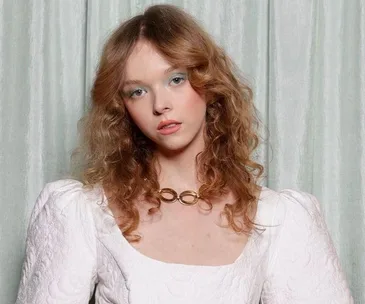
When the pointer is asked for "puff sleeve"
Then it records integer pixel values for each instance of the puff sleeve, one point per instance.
(60, 262)
(304, 268)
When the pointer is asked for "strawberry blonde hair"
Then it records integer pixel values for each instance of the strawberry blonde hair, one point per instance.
(119, 157)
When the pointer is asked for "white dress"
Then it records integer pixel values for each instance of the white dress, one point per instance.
(73, 244)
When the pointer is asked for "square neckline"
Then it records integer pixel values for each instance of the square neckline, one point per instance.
(147, 259)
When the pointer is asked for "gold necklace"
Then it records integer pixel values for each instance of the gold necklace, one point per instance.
(169, 195)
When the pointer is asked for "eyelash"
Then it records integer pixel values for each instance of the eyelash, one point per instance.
(178, 77)
(181, 80)
(130, 94)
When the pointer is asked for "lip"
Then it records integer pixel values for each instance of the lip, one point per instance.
(166, 122)
(167, 131)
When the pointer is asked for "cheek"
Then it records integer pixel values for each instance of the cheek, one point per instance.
(138, 116)
(196, 104)
(193, 100)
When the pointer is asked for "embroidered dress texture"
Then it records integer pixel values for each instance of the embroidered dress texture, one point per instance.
(73, 243)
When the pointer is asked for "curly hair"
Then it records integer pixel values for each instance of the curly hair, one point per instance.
(119, 157)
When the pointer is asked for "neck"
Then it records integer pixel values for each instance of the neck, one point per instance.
(179, 170)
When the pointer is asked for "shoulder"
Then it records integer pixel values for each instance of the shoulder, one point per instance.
(61, 245)
(62, 215)
(298, 205)
(64, 188)
(66, 196)
(303, 263)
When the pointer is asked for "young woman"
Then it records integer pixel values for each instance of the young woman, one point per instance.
(169, 209)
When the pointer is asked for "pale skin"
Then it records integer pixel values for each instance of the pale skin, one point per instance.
(177, 234)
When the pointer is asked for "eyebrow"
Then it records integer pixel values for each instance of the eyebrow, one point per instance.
(133, 81)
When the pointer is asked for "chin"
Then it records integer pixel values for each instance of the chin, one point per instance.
(173, 148)
(179, 146)
(178, 143)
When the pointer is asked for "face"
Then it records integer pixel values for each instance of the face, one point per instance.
(162, 102)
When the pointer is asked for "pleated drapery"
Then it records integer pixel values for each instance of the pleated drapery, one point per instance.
(304, 59)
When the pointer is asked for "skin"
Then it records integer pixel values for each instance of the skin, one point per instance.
(158, 94)
(177, 234)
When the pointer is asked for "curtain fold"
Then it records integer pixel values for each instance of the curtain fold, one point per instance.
(304, 59)
(316, 115)
(42, 97)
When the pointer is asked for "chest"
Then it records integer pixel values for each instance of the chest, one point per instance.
(128, 277)
(189, 237)
(162, 263)
(127, 269)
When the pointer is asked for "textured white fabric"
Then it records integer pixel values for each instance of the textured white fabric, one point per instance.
(73, 244)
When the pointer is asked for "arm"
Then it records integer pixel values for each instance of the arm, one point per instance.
(60, 262)
(304, 268)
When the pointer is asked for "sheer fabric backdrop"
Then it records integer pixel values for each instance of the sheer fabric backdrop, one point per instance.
(304, 59)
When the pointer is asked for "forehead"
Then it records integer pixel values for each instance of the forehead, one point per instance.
(145, 62)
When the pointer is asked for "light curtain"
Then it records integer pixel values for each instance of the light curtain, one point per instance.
(304, 59)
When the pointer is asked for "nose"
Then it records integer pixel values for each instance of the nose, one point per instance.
(162, 102)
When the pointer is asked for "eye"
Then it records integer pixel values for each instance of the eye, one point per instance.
(177, 80)
(136, 93)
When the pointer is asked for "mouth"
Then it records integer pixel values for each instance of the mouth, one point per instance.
(168, 124)
(168, 127)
